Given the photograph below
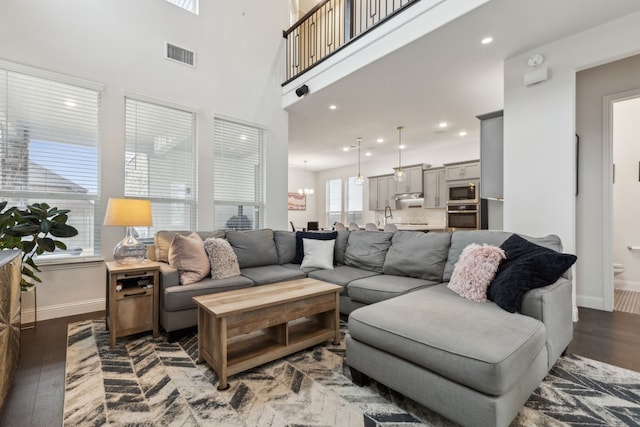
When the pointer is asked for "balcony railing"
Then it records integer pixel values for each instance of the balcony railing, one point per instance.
(330, 26)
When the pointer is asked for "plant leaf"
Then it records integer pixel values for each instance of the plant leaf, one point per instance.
(59, 229)
(60, 245)
(46, 244)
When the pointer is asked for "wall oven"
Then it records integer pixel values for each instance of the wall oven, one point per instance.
(463, 192)
(463, 216)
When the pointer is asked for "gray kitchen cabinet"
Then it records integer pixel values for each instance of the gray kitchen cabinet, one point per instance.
(373, 193)
(381, 190)
(435, 188)
(491, 155)
(413, 181)
(463, 170)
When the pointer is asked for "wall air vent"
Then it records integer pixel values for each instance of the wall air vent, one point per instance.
(180, 54)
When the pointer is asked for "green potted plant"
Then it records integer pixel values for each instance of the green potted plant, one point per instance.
(31, 230)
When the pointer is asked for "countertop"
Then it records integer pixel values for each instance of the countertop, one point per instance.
(417, 227)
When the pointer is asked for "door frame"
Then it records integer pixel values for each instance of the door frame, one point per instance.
(607, 192)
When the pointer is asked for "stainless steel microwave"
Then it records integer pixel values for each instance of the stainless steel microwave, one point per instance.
(463, 192)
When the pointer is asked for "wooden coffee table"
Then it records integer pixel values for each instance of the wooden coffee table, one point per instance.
(245, 328)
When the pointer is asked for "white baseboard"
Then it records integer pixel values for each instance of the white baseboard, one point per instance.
(590, 302)
(62, 310)
(627, 285)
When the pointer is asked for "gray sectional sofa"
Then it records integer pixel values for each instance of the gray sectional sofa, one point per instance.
(472, 362)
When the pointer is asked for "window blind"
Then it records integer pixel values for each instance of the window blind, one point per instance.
(49, 145)
(239, 175)
(160, 164)
(334, 201)
(354, 201)
(189, 5)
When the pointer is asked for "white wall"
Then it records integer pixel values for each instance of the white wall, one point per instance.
(433, 154)
(626, 191)
(539, 132)
(120, 44)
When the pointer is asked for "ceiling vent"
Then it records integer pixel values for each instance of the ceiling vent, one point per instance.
(180, 54)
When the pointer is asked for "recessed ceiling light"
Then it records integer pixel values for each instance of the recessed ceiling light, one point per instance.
(368, 153)
(380, 140)
(402, 147)
(462, 133)
(332, 107)
(487, 40)
(443, 125)
(345, 149)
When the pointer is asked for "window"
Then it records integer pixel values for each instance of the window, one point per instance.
(352, 203)
(49, 145)
(160, 164)
(239, 175)
(334, 201)
(189, 5)
(353, 198)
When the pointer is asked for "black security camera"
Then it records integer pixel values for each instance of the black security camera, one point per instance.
(302, 90)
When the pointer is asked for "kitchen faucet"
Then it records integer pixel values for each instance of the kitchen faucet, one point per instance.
(387, 216)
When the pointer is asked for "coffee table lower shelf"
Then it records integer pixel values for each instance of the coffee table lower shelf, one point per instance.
(242, 329)
(255, 349)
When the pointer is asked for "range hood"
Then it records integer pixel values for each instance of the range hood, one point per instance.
(407, 196)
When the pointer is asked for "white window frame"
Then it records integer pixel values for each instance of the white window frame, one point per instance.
(190, 221)
(89, 254)
(225, 177)
(346, 214)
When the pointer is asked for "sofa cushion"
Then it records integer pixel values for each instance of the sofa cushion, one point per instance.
(318, 253)
(317, 235)
(367, 249)
(475, 270)
(179, 297)
(188, 256)
(285, 245)
(417, 254)
(341, 275)
(377, 288)
(342, 239)
(266, 274)
(162, 240)
(297, 267)
(253, 248)
(528, 266)
(223, 260)
(477, 345)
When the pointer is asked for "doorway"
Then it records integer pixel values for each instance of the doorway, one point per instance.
(622, 127)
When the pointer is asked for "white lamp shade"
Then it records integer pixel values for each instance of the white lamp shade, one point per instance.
(128, 213)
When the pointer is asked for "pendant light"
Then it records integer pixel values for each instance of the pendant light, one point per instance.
(399, 174)
(306, 191)
(359, 179)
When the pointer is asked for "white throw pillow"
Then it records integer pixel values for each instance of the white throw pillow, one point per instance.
(318, 253)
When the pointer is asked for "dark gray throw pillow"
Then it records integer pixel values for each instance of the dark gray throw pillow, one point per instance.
(527, 266)
(309, 235)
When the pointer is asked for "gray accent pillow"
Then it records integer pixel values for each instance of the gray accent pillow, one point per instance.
(254, 248)
(367, 249)
(285, 245)
(417, 254)
(223, 260)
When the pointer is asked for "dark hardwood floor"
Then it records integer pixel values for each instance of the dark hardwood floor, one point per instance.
(37, 395)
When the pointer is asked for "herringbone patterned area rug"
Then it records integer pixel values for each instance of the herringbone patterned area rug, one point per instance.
(149, 382)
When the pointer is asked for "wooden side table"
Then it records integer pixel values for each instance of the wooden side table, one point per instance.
(132, 299)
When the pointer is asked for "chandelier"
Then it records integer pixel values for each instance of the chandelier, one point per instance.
(306, 191)
(359, 179)
(399, 174)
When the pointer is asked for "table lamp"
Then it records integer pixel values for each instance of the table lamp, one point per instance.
(129, 213)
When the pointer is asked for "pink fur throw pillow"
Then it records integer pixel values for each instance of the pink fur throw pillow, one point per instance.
(187, 255)
(475, 270)
(223, 260)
